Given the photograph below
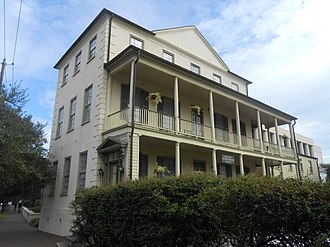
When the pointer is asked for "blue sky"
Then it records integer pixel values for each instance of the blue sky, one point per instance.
(280, 45)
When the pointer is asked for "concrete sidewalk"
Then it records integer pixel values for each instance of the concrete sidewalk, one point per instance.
(15, 232)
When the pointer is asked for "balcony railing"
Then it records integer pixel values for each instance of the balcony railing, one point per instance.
(160, 122)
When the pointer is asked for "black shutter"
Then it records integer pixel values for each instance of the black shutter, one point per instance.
(124, 96)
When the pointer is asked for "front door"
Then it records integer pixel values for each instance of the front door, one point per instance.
(112, 173)
(197, 124)
(166, 108)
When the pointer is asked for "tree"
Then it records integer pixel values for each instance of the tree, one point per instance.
(24, 167)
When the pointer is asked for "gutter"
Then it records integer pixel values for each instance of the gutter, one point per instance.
(109, 38)
(132, 117)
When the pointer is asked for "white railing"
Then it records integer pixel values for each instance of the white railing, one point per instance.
(160, 121)
(195, 129)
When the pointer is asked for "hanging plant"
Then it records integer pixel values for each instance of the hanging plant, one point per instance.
(154, 98)
(197, 109)
(160, 170)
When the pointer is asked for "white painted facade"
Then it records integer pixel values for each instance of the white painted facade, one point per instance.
(225, 137)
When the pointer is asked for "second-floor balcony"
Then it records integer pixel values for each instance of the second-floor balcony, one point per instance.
(164, 123)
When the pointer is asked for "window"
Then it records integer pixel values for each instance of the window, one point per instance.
(53, 182)
(65, 75)
(234, 86)
(60, 122)
(72, 116)
(87, 104)
(168, 56)
(224, 170)
(221, 127)
(136, 42)
(199, 165)
(82, 170)
(66, 176)
(310, 165)
(301, 165)
(92, 48)
(77, 63)
(217, 78)
(194, 68)
(242, 126)
(143, 165)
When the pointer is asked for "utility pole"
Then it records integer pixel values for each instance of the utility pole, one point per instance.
(3, 66)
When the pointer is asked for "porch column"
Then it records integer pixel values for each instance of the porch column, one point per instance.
(263, 166)
(211, 115)
(260, 132)
(301, 148)
(214, 161)
(131, 89)
(306, 149)
(108, 103)
(241, 164)
(278, 137)
(311, 148)
(176, 105)
(238, 126)
(293, 138)
(177, 159)
(281, 169)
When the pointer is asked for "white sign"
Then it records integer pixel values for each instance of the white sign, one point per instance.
(228, 159)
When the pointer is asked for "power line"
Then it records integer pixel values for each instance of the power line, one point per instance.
(18, 21)
(16, 38)
(4, 28)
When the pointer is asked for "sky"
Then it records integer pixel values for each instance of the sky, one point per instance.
(282, 46)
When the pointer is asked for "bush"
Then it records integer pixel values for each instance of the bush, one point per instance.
(34, 222)
(204, 210)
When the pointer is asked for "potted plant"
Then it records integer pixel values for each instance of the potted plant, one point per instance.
(197, 109)
(154, 98)
(160, 170)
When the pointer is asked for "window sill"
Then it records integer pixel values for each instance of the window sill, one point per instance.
(75, 73)
(70, 130)
(90, 59)
(57, 137)
(64, 194)
(86, 122)
(63, 84)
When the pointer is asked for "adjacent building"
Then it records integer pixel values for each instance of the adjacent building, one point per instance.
(128, 98)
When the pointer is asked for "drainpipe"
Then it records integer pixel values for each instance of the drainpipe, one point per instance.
(296, 146)
(132, 117)
(109, 38)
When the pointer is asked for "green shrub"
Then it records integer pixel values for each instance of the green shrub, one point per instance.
(34, 222)
(204, 210)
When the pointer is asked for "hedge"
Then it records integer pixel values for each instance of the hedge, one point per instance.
(204, 210)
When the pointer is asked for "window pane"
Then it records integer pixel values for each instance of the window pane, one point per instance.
(78, 62)
(168, 56)
(195, 68)
(66, 176)
(65, 74)
(60, 122)
(87, 104)
(217, 78)
(136, 42)
(82, 170)
(92, 48)
(234, 86)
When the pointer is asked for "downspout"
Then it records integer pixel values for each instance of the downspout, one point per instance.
(132, 117)
(109, 38)
(296, 146)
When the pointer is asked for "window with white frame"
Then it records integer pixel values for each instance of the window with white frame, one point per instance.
(234, 86)
(217, 78)
(87, 104)
(72, 116)
(60, 122)
(168, 56)
(310, 165)
(92, 48)
(53, 182)
(136, 42)
(82, 170)
(195, 68)
(65, 75)
(77, 63)
(66, 176)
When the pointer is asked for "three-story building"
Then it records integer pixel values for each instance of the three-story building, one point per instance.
(128, 98)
